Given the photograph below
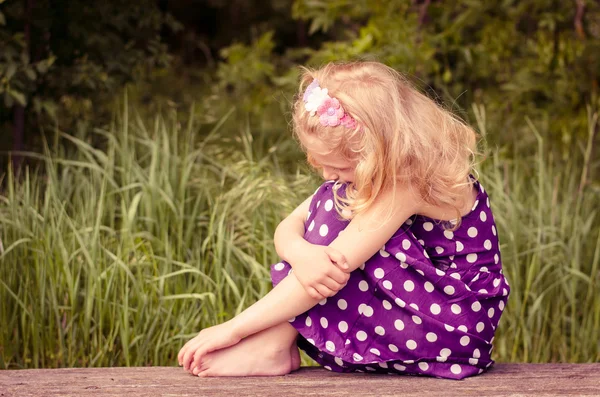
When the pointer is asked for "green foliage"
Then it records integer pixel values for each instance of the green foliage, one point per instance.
(69, 53)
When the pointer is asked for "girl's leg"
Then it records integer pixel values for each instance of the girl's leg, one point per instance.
(272, 351)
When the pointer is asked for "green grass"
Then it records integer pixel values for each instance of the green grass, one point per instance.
(117, 253)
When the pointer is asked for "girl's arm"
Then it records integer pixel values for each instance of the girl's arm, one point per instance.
(320, 269)
(368, 232)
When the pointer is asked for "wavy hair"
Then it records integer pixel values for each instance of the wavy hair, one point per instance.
(402, 136)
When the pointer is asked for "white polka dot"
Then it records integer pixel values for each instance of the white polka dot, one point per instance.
(308, 215)
(401, 256)
(384, 253)
(439, 250)
(441, 359)
(393, 348)
(379, 273)
(501, 305)
(448, 234)
(311, 226)
(431, 336)
(449, 328)
(328, 205)
(279, 266)
(329, 346)
(362, 266)
(409, 285)
(323, 230)
(496, 282)
(472, 232)
(459, 246)
(342, 304)
(324, 322)
(487, 202)
(473, 361)
(483, 291)
(462, 328)
(476, 306)
(455, 369)
(428, 226)
(409, 221)
(480, 326)
(494, 230)
(357, 357)
(387, 305)
(368, 311)
(428, 286)
(399, 325)
(375, 351)
(465, 340)
(420, 272)
(339, 361)
(323, 301)
(475, 278)
(318, 203)
(496, 259)
(308, 321)
(414, 306)
(475, 205)
(363, 286)
(400, 367)
(455, 275)
(361, 336)
(291, 320)
(435, 308)
(387, 284)
(484, 269)
(455, 308)
(400, 302)
(491, 312)
(445, 352)
(449, 290)
(311, 341)
(504, 292)
(379, 330)
(343, 326)
(426, 254)
(440, 272)
(417, 319)
(406, 244)
(424, 366)
(421, 242)
(487, 244)
(471, 258)
(476, 353)
(483, 216)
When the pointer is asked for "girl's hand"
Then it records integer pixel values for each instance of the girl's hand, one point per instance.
(321, 270)
(208, 340)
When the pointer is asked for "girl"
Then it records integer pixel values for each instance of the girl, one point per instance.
(393, 265)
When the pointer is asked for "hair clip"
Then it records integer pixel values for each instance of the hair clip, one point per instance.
(330, 111)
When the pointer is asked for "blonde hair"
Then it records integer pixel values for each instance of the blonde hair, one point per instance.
(402, 136)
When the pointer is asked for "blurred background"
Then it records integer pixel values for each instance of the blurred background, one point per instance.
(146, 158)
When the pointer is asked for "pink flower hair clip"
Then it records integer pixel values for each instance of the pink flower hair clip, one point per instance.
(330, 111)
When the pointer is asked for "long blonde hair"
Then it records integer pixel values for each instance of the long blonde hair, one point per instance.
(402, 136)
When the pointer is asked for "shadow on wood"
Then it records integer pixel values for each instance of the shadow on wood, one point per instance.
(500, 380)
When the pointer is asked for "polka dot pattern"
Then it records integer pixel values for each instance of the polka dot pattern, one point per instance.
(429, 292)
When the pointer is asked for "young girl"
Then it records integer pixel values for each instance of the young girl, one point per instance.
(393, 265)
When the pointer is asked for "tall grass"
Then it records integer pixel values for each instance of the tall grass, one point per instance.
(116, 253)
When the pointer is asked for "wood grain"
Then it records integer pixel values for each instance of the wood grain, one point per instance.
(500, 380)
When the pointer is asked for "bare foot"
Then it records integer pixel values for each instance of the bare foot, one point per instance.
(270, 352)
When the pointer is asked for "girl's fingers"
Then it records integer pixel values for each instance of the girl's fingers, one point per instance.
(337, 257)
(314, 293)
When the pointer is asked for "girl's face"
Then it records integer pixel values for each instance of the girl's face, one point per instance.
(332, 166)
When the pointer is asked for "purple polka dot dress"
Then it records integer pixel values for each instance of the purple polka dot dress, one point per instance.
(427, 303)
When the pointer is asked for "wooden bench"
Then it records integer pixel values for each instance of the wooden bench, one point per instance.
(500, 380)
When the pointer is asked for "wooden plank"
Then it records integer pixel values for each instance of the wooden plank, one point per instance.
(501, 380)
